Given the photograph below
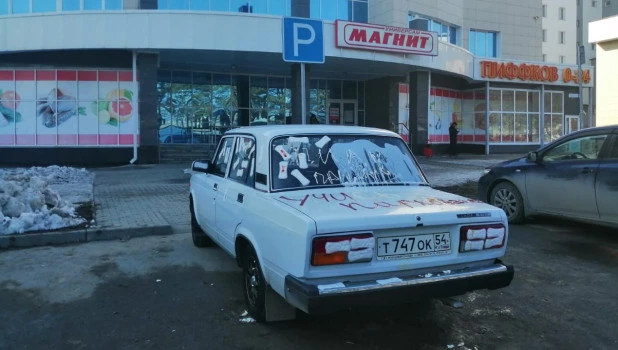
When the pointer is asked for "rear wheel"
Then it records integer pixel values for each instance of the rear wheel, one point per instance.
(200, 239)
(254, 285)
(506, 197)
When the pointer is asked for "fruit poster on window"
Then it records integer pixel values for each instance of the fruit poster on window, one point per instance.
(67, 108)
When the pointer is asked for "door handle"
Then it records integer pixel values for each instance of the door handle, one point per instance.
(240, 197)
(215, 187)
(587, 171)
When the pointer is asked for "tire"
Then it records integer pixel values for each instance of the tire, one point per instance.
(506, 197)
(200, 239)
(254, 285)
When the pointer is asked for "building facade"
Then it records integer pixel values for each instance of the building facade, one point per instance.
(602, 33)
(113, 81)
(559, 33)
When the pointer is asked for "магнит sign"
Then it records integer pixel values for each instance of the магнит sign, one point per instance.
(385, 38)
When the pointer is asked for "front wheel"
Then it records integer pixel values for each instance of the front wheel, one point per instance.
(254, 285)
(506, 197)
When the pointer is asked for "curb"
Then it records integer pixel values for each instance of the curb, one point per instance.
(81, 236)
(451, 164)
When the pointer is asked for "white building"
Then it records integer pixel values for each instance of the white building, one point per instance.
(559, 19)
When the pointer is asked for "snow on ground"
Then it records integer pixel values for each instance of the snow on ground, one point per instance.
(42, 198)
(439, 175)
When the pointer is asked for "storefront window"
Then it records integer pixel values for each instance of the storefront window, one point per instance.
(514, 116)
(554, 115)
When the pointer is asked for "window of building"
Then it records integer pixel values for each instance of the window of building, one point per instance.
(272, 7)
(446, 32)
(561, 13)
(20, 6)
(594, 3)
(514, 116)
(483, 43)
(577, 24)
(43, 6)
(544, 10)
(592, 47)
(349, 10)
(561, 37)
(561, 59)
(544, 35)
(544, 57)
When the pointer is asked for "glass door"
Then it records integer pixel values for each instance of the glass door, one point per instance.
(343, 112)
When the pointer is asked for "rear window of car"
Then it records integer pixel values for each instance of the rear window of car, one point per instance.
(308, 161)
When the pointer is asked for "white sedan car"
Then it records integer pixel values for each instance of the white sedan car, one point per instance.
(326, 217)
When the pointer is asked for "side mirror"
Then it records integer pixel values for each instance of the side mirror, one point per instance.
(533, 157)
(202, 166)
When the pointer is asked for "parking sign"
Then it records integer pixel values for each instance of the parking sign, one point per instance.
(303, 40)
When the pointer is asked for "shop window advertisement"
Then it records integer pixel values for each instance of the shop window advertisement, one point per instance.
(67, 108)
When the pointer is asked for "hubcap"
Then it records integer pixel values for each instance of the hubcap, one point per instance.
(505, 200)
(252, 281)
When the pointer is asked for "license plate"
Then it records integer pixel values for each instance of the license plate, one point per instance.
(403, 247)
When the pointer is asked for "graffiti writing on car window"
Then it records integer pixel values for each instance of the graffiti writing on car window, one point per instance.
(345, 200)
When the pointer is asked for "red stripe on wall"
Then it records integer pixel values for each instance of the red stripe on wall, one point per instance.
(108, 139)
(7, 139)
(87, 75)
(125, 76)
(25, 140)
(45, 139)
(67, 139)
(24, 75)
(127, 139)
(108, 75)
(67, 75)
(87, 139)
(7, 75)
(45, 75)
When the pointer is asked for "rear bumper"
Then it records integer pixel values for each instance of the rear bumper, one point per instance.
(313, 298)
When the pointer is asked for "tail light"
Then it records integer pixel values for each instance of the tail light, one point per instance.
(332, 250)
(481, 237)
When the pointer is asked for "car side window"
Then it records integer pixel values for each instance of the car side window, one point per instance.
(243, 161)
(583, 148)
(613, 151)
(223, 156)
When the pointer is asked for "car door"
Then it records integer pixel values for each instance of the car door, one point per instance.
(563, 183)
(211, 186)
(239, 189)
(607, 183)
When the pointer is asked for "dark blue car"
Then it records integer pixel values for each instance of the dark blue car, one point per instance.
(574, 177)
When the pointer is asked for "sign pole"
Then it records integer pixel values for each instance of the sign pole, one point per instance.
(581, 58)
(303, 95)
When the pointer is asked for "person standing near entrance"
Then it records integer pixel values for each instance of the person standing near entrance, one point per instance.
(452, 131)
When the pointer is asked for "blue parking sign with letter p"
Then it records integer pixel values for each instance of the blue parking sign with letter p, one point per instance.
(303, 40)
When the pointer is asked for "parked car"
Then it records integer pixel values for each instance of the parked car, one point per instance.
(322, 217)
(574, 177)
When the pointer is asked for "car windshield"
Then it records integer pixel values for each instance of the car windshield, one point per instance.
(306, 161)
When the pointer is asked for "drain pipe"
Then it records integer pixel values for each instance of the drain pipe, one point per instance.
(136, 107)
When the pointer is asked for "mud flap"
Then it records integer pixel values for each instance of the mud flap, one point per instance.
(277, 309)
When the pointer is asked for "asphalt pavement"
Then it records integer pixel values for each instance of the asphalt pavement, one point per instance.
(161, 292)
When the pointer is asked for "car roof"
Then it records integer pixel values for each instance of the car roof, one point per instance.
(270, 131)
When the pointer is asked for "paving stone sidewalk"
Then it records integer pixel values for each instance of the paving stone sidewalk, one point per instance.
(142, 196)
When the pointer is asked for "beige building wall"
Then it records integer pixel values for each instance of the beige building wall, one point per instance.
(553, 49)
(604, 35)
(518, 22)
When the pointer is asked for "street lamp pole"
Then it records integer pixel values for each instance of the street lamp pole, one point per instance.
(581, 57)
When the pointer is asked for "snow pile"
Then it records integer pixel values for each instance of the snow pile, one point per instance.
(30, 198)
